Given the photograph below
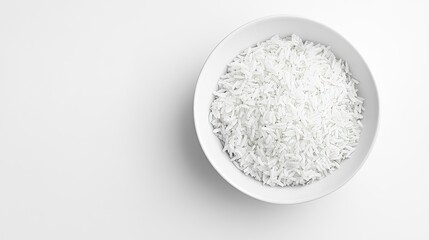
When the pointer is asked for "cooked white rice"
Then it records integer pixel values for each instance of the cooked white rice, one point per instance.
(287, 111)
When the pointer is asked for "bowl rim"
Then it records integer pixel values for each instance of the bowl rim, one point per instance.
(196, 122)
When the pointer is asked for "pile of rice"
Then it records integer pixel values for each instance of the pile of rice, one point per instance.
(287, 111)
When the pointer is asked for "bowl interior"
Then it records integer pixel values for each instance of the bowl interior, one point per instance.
(215, 66)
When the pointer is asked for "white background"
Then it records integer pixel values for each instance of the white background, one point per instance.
(96, 129)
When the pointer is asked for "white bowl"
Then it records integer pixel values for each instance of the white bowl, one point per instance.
(215, 66)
